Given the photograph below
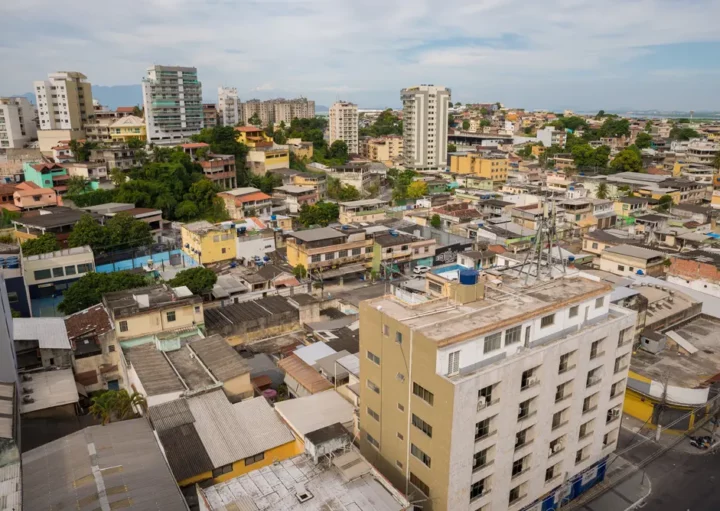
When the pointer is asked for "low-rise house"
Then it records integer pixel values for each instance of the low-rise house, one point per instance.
(328, 408)
(626, 206)
(125, 457)
(220, 169)
(295, 177)
(94, 172)
(293, 197)
(58, 221)
(628, 259)
(127, 128)
(42, 174)
(477, 259)
(302, 150)
(594, 242)
(41, 343)
(48, 393)
(345, 251)
(301, 378)
(368, 210)
(692, 212)
(208, 439)
(359, 175)
(698, 270)
(28, 198)
(397, 251)
(252, 136)
(207, 243)
(246, 202)
(261, 159)
(96, 354)
(452, 215)
(115, 156)
(153, 310)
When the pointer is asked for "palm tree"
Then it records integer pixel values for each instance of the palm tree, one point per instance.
(103, 406)
(127, 404)
(116, 405)
(602, 191)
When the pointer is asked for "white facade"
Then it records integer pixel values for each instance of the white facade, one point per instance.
(172, 97)
(425, 121)
(17, 123)
(343, 125)
(228, 106)
(64, 101)
(550, 136)
(555, 403)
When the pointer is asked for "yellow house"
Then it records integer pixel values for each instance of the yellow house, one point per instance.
(262, 159)
(128, 127)
(489, 167)
(208, 439)
(302, 150)
(207, 243)
(537, 150)
(252, 136)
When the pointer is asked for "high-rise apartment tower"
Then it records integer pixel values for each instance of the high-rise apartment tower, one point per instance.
(343, 125)
(425, 127)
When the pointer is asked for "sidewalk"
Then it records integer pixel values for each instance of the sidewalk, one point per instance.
(667, 439)
(625, 495)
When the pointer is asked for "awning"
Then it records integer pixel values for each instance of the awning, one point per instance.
(342, 271)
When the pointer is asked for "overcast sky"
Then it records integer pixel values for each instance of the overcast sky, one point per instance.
(579, 54)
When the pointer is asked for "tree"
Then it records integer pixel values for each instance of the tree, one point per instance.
(255, 120)
(125, 231)
(683, 133)
(665, 202)
(716, 161)
(41, 245)
(199, 280)
(466, 125)
(435, 221)
(118, 405)
(321, 213)
(338, 149)
(81, 150)
(348, 193)
(643, 140)
(451, 120)
(279, 137)
(458, 104)
(300, 271)
(117, 176)
(485, 122)
(135, 143)
(600, 114)
(86, 232)
(417, 189)
(614, 127)
(602, 191)
(451, 148)
(138, 111)
(77, 185)
(648, 126)
(387, 123)
(587, 157)
(267, 182)
(88, 290)
(627, 160)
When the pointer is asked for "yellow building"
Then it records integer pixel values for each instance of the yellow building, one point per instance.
(324, 248)
(127, 128)
(252, 136)
(206, 438)
(537, 150)
(207, 243)
(382, 149)
(302, 150)
(489, 167)
(261, 159)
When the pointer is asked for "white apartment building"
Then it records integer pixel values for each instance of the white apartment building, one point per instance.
(494, 396)
(343, 125)
(228, 106)
(64, 101)
(172, 96)
(17, 123)
(277, 110)
(425, 115)
(550, 136)
(702, 151)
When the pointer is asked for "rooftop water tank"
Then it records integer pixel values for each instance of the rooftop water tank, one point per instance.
(640, 272)
(468, 277)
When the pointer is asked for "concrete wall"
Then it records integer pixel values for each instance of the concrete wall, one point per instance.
(156, 321)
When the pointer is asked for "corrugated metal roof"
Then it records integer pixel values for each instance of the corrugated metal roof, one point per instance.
(304, 374)
(314, 352)
(308, 414)
(220, 358)
(233, 432)
(185, 451)
(153, 369)
(170, 415)
(49, 389)
(49, 332)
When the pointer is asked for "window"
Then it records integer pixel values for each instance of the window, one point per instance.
(111, 348)
(400, 436)
(550, 473)
(343, 253)
(482, 428)
(372, 441)
(578, 456)
(13, 297)
(492, 342)
(524, 409)
(399, 464)
(599, 302)
(254, 459)
(84, 268)
(372, 413)
(422, 425)
(560, 392)
(485, 394)
(624, 336)
(518, 466)
(386, 330)
(547, 320)
(356, 251)
(398, 337)
(197, 309)
(315, 258)
(415, 480)
(373, 387)
(373, 357)
(621, 267)
(574, 311)
(417, 452)
(564, 363)
(225, 469)
(123, 326)
(514, 494)
(171, 316)
(42, 274)
(329, 256)
(224, 250)
(58, 272)
(480, 459)
(589, 403)
(423, 393)
(401, 407)
(595, 349)
(527, 336)
(454, 362)
(512, 335)
(477, 489)
(595, 245)
(521, 437)
(557, 419)
(585, 429)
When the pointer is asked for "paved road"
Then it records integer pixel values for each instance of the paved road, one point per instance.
(680, 481)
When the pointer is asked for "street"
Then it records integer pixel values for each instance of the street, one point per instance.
(680, 481)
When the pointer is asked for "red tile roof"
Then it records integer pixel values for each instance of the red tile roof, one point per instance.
(252, 196)
(247, 129)
(125, 109)
(47, 166)
(94, 319)
(194, 145)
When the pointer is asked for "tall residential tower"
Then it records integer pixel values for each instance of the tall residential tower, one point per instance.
(344, 125)
(17, 123)
(172, 97)
(425, 127)
(228, 106)
(64, 101)
(493, 394)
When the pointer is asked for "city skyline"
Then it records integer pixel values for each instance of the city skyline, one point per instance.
(552, 56)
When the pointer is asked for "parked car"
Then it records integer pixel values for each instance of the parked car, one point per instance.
(421, 269)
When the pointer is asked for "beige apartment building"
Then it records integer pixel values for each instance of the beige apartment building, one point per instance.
(425, 114)
(382, 149)
(487, 396)
(17, 123)
(343, 125)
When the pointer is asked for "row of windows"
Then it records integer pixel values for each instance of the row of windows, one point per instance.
(170, 316)
(61, 271)
(316, 258)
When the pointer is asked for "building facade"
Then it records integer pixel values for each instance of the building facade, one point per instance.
(425, 114)
(343, 125)
(465, 410)
(228, 106)
(64, 101)
(207, 243)
(172, 97)
(276, 110)
(17, 123)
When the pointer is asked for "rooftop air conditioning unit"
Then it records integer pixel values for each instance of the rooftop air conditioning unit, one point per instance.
(482, 403)
(28, 399)
(533, 380)
(27, 377)
(614, 413)
(27, 390)
(557, 447)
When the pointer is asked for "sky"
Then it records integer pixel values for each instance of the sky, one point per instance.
(555, 54)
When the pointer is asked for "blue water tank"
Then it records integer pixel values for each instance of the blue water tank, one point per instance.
(13, 264)
(345, 227)
(468, 277)
(571, 258)
(273, 217)
(640, 272)
(393, 233)
(266, 258)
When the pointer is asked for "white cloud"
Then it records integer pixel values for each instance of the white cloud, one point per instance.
(365, 50)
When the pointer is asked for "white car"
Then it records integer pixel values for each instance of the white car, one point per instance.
(421, 269)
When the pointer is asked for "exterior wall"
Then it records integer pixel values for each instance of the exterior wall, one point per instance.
(494, 169)
(227, 106)
(594, 246)
(57, 265)
(425, 113)
(349, 217)
(259, 162)
(696, 275)
(70, 95)
(47, 139)
(156, 321)
(94, 363)
(125, 132)
(251, 246)
(262, 328)
(273, 455)
(343, 125)
(300, 254)
(214, 246)
(17, 123)
(172, 113)
(612, 262)
(239, 388)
